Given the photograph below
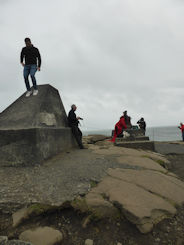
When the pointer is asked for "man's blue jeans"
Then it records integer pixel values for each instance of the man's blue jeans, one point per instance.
(30, 70)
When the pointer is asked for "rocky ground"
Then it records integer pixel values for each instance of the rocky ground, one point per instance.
(102, 195)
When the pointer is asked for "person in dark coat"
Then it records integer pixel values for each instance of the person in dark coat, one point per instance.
(31, 61)
(73, 122)
(127, 120)
(142, 124)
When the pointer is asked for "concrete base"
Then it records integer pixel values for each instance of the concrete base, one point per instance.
(138, 138)
(135, 132)
(33, 146)
(145, 145)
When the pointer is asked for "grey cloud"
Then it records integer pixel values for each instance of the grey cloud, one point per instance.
(105, 56)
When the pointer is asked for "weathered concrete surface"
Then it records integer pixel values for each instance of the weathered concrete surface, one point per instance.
(137, 138)
(45, 109)
(143, 162)
(145, 145)
(33, 146)
(132, 184)
(160, 184)
(145, 194)
(42, 236)
(169, 147)
(60, 179)
(109, 149)
(138, 205)
(33, 129)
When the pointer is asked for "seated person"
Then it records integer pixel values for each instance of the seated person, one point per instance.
(127, 120)
(119, 126)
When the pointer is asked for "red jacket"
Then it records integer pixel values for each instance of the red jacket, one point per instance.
(182, 127)
(119, 126)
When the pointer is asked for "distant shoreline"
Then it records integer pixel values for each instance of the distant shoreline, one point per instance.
(161, 133)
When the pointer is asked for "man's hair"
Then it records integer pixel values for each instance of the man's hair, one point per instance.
(72, 106)
(27, 39)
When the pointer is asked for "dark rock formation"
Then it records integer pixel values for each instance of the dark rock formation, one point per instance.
(33, 129)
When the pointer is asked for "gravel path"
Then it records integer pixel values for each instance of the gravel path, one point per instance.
(64, 177)
(58, 180)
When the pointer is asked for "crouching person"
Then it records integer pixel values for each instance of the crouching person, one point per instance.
(73, 122)
(119, 127)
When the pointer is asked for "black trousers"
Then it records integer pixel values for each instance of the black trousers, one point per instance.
(78, 135)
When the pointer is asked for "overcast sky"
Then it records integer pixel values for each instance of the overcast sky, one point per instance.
(106, 56)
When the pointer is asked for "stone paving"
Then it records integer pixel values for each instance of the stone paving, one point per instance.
(130, 183)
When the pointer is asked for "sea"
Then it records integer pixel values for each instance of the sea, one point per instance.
(167, 133)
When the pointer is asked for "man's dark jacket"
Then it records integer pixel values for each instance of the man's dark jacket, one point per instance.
(72, 120)
(142, 124)
(31, 54)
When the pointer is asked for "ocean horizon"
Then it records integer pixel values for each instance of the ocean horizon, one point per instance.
(162, 133)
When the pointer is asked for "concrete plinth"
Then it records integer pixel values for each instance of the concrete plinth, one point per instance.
(33, 146)
(33, 129)
(138, 138)
(145, 145)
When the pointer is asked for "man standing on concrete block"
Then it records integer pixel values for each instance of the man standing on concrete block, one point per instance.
(73, 122)
(32, 64)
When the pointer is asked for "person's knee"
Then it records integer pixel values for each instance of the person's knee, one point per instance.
(32, 76)
(26, 77)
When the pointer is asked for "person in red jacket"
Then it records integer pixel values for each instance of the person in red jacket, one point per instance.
(119, 126)
(182, 130)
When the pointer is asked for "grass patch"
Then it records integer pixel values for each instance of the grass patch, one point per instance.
(93, 183)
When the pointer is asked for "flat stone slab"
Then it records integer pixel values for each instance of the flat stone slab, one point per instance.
(160, 184)
(123, 151)
(143, 162)
(145, 194)
(137, 202)
(42, 236)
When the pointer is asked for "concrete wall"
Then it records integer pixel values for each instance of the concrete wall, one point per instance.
(33, 146)
(35, 128)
